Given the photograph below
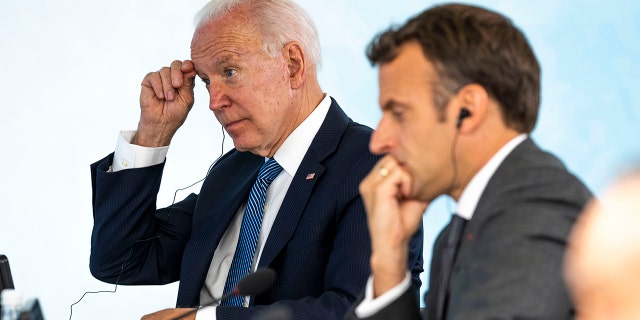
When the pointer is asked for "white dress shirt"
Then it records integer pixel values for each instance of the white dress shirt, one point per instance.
(466, 206)
(289, 156)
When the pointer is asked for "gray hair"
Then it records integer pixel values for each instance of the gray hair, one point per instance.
(279, 21)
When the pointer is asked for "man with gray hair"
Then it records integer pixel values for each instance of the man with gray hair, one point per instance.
(285, 198)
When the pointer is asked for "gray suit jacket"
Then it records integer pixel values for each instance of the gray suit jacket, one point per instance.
(510, 261)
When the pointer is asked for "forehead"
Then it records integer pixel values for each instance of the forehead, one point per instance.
(229, 34)
(409, 74)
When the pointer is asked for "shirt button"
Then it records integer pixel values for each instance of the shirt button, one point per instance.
(124, 163)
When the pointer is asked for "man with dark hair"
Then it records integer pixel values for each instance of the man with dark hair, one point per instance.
(459, 92)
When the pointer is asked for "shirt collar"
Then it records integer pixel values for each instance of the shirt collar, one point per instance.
(295, 146)
(472, 192)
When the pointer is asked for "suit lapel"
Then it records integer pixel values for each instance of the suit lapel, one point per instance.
(222, 194)
(488, 202)
(290, 211)
(309, 173)
(525, 154)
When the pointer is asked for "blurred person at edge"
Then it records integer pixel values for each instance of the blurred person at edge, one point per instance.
(602, 264)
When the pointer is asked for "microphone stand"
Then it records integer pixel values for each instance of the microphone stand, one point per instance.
(252, 284)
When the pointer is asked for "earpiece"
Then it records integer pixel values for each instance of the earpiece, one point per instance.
(464, 113)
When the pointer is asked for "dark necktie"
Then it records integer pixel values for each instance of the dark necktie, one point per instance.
(250, 230)
(449, 252)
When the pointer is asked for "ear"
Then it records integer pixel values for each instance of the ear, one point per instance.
(296, 63)
(475, 99)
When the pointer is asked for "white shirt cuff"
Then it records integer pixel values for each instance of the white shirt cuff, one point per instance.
(208, 313)
(129, 156)
(370, 306)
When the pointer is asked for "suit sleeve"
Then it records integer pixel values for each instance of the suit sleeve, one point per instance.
(404, 307)
(131, 242)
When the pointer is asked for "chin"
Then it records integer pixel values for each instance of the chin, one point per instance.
(241, 147)
(253, 149)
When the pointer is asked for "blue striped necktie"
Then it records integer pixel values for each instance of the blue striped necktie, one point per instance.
(250, 230)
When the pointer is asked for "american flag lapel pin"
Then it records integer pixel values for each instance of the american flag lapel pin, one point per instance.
(310, 176)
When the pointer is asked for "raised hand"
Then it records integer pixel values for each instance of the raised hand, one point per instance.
(393, 216)
(166, 98)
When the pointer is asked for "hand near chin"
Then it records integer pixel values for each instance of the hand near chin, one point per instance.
(167, 314)
(166, 97)
(392, 209)
(393, 216)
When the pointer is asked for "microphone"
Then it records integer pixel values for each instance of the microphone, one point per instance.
(251, 285)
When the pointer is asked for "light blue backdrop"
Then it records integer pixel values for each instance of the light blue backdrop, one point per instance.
(70, 80)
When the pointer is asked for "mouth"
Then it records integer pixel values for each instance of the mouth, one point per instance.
(233, 125)
(230, 123)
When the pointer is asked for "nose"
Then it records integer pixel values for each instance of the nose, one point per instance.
(381, 139)
(217, 97)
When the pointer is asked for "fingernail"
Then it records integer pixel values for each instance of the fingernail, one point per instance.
(169, 95)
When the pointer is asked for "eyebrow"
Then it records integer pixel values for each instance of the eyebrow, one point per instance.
(390, 104)
(223, 60)
(228, 56)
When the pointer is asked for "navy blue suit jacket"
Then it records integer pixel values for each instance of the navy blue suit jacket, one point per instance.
(319, 244)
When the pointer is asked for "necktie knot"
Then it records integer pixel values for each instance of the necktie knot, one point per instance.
(269, 170)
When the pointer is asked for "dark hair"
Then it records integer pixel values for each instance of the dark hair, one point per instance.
(468, 44)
